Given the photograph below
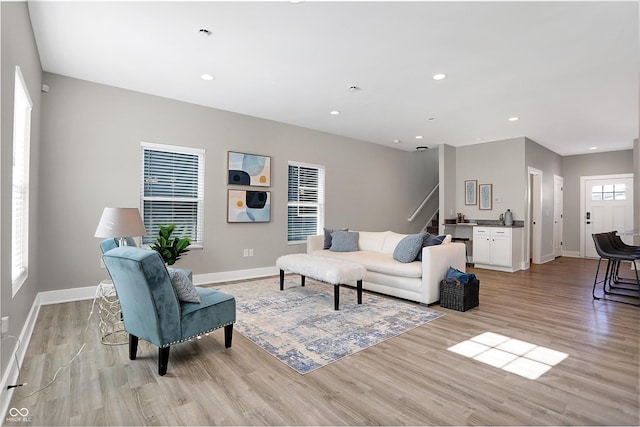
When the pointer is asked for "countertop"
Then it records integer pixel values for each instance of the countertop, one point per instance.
(484, 223)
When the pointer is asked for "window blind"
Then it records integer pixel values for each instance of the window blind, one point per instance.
(172, 191)
(20, 182)
(305, 202)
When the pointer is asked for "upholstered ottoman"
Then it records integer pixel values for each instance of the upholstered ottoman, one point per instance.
(334, 272)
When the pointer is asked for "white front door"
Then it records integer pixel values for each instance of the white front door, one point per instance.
(608, 206)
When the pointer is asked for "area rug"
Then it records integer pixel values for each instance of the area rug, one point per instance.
(299, 326)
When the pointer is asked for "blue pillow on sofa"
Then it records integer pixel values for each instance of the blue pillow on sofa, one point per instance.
(429, 240)
(409, 247)
(344, 241)
(328, 233)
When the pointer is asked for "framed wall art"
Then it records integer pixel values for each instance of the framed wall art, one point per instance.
(486, 197)
(470, 195)
(248, 206)
(248, 169)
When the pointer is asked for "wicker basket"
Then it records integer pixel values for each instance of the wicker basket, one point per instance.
(457, 296)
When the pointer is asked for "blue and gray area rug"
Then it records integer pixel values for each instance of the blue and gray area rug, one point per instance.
(300, 327)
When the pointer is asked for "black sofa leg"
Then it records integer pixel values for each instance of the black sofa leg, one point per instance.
(133, 347)
(163, 360)
(228, 335)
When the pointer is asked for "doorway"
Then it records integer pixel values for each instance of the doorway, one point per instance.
(534, 225)
(606, 204)
(558, 215)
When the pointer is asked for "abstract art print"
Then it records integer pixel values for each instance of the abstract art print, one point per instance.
(248, 206)
(248, 169)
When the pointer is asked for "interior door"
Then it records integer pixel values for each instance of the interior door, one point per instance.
(558, 209)
(608, 207)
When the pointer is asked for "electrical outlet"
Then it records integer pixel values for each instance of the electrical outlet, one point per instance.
(5, 325)
(102, 263)
(250, 252)
(245, 252)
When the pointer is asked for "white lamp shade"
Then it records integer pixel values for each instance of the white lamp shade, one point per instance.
(120, 222)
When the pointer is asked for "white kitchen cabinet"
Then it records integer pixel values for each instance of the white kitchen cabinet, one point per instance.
(497, 248)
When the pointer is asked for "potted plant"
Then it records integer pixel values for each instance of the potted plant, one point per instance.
(170, 248)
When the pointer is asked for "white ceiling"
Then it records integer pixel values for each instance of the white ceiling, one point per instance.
(568, 70)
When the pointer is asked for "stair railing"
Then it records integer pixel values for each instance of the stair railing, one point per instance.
(424, 202)
(430, 219)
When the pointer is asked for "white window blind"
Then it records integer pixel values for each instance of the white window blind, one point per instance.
(172, 191)
(20, 183)
(305, 206)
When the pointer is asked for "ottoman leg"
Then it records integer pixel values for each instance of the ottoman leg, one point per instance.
(336, 297)
(359, 291)
(281, 279)
(302, 280)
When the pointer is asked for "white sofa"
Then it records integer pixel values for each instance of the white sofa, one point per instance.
(416, 281)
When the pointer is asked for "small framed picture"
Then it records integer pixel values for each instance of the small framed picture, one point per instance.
(470, 196)
(486, 196)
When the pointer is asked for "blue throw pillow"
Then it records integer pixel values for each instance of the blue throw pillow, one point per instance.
(430, 240)
(458, 275)
(328, 232)
(408, 248)
(344, 241)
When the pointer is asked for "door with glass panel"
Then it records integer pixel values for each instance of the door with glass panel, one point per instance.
(608, 207)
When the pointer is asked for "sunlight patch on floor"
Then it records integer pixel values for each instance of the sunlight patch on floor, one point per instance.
(512, 355)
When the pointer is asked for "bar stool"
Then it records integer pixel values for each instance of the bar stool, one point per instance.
(611, 250)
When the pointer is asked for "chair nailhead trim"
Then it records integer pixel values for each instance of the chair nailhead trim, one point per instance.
(193, 336)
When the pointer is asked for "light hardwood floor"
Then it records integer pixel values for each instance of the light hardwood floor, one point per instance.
(408, 380)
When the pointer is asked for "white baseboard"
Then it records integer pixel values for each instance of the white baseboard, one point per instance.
(89, 292)
(572, 254)
(18, 353)
(228, 276)
(547, 258)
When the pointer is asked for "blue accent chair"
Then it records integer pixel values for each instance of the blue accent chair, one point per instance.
(151, 310)
(107, 244)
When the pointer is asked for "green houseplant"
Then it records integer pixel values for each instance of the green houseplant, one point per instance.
(170, 248)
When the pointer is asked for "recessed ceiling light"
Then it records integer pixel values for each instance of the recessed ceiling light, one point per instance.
(431, 118)
(422, 148)
(593, 148)
(439, 76)
(354, 88)
(334, 112)
(514, 118)
(204, 32)
(206, 77)
(418, 136)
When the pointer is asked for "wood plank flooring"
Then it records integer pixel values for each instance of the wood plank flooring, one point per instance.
(409, 380)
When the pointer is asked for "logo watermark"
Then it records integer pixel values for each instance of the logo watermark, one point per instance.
(19, 415)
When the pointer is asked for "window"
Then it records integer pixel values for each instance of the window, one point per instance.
(609, 192)
(172, 191)
(20, 183)
(305, 207)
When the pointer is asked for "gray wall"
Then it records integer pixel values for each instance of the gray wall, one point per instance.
(91, 159)
(499, 163)
(18, 49)
(573, 167)
(636, 187)
(448, 183)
